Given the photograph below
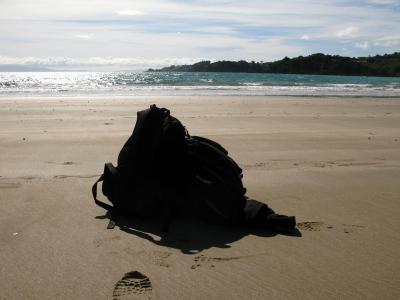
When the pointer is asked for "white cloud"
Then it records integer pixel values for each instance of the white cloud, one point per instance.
(363, 45)
(96, 61)
(84, 36)
(347, 32)
(388, 41)
(305, 37)
(129, 12)
(385, 1)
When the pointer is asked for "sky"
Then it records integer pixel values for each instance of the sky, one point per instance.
(133, 35)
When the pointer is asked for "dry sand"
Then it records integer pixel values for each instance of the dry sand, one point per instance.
(334, 163)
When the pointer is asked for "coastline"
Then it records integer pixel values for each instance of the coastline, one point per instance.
(87, 84)
(334, 163)
(163, 97)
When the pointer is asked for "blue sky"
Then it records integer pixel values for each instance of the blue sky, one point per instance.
(115, 35)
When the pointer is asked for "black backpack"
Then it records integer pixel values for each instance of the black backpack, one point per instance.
(164, 172)
(216, 182)
(150, 167)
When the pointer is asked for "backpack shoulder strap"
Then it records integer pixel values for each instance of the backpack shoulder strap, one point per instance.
(106, 206)
(94, 193)
(110, 173)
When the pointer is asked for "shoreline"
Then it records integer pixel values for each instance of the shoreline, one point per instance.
(112, 95)
(125, 97)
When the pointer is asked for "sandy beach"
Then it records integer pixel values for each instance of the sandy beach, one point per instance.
(334, 163)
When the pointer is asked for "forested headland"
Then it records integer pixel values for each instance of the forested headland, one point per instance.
(318, 64)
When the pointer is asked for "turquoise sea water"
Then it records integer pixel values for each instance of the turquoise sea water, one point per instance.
(176, 83)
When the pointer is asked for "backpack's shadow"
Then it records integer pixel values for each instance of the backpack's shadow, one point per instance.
(191, 236)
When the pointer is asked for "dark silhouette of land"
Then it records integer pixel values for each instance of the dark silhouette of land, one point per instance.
(316, 64)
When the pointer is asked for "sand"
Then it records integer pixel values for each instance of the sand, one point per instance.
(332, 162)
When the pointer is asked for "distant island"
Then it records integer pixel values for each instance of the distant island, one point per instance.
(316, 64)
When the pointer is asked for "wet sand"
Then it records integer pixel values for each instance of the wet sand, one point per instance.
(332, 162)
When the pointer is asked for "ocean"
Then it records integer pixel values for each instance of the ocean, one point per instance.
(179, 83)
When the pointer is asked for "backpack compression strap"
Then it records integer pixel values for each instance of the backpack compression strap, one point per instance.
(94, 193)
